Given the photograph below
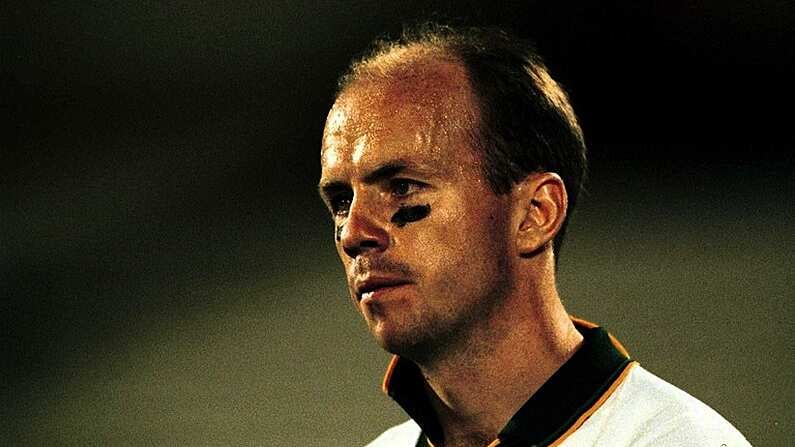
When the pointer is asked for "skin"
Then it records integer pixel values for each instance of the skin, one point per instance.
(480, 314)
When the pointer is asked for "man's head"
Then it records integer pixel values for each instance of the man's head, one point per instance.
(525, 124)
(432, 217)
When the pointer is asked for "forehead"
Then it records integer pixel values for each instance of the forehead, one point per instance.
(424, 113)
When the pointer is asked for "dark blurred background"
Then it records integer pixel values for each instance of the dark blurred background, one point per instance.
(167, 273)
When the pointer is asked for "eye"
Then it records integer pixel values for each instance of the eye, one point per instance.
(340, 205)
(401, 187)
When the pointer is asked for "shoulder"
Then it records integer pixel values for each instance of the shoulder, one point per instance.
(405, 434)
(661, 414)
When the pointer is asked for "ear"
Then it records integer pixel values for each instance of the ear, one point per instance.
(540, 205)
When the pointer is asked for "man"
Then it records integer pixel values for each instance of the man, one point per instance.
(450, 161)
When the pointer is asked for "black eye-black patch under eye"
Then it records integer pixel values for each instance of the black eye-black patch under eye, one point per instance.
(338, 232)
(407, 214)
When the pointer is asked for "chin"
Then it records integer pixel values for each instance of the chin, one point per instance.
(402, 341)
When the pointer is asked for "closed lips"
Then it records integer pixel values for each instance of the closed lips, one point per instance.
(372, 285)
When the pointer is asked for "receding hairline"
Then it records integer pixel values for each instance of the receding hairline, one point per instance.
(392, 60)
(432, 45)
(419, 66)
(417, 76)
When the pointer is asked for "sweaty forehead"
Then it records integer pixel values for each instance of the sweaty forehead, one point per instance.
(426, 83)
(416, 111)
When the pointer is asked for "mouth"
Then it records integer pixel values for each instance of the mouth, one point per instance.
(373, 287)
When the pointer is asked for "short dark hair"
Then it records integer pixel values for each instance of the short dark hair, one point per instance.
(526, 122)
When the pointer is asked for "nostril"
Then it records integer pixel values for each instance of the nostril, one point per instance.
(356, 249)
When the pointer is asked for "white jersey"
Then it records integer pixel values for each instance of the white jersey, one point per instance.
(633, 407)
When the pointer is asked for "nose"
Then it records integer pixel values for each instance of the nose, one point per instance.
(362, 232)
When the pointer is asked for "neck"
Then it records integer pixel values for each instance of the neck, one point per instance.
(476, 386)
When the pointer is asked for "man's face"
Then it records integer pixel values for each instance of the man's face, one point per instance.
(422, 237)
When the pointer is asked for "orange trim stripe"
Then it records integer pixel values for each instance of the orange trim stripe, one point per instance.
(388, 375)
(618, 345)
(581, 420)
(584, 323)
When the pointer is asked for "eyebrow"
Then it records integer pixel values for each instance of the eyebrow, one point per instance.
(380, 173)
(386, 171)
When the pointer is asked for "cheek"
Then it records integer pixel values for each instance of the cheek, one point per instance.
(459, 238)
(444, 238)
